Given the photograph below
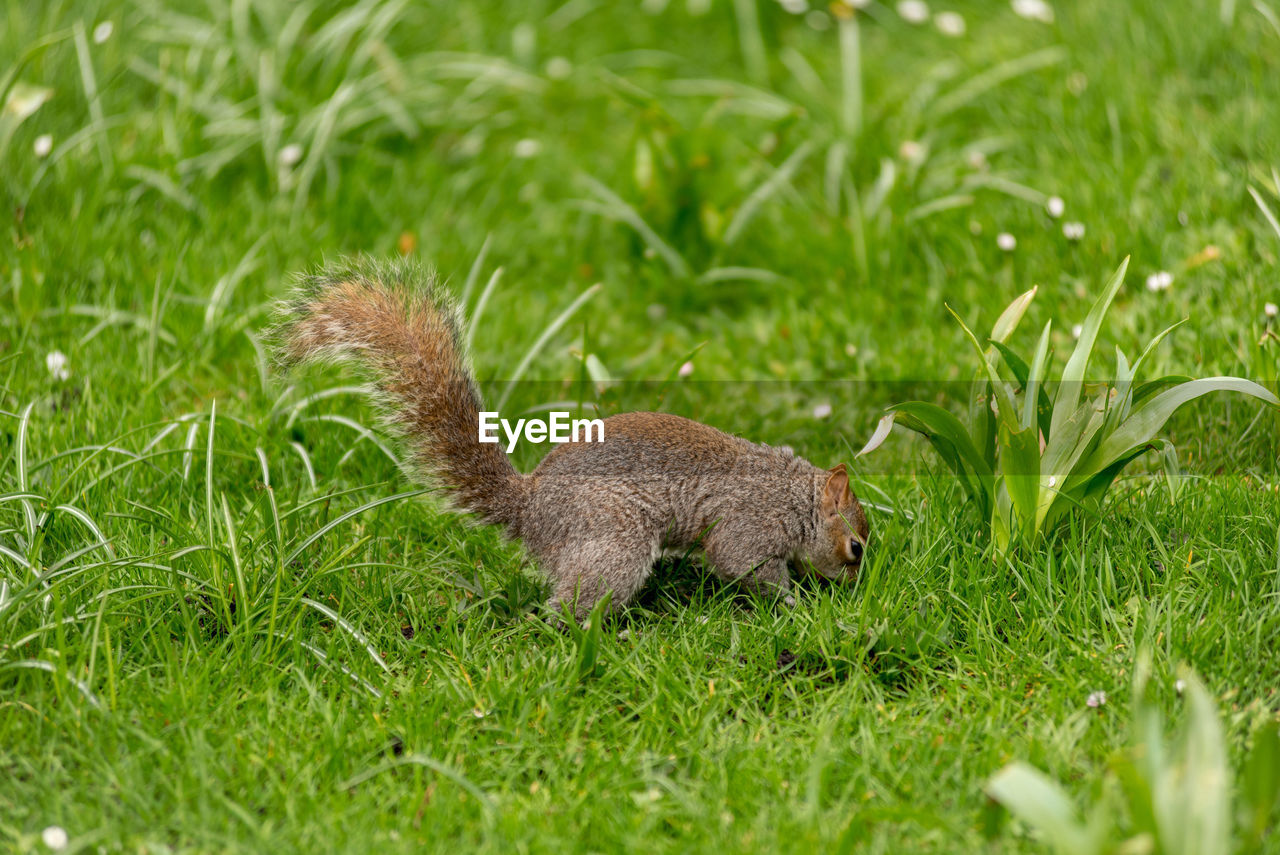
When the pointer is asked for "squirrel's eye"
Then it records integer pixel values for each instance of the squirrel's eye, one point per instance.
(855, 550)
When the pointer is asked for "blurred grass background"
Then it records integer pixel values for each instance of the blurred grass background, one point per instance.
(785, 196)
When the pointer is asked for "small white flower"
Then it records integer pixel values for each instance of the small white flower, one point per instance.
(686, 369)
(1077, 331)
(1033, 10)
(290, 154)
(913, 11)
(56, 362)
(817, 20)
(850, 350)
(1097, 699)
(1055, 206)
(527, 147)
(43, 145)
(1271, 310)
(822, 411)
(55, 837)
(1073, 230)
(1159, 281)
(950, 24)
(1006, 241)
(558, 68)
(795, 7)
(911, 151)
(479, 712)
(1179, 685)
(976, 159)
(102, 32)
(1053, 480)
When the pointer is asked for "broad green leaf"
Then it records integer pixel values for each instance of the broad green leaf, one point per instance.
(1005, 403)
(1260, 780)
(1034, 379)
(1012, 316)
(1193, 804)
(1147, 419)
(1038, 801)
(1066, 445)
(949, 440)
(1044, 407)
(1145, 390)
(1020, 466)
(1068, 397)
(940, 421)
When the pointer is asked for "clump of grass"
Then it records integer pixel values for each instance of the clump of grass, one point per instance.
(1160, 797)
(1036, 449)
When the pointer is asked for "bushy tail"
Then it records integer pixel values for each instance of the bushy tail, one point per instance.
(395, 321)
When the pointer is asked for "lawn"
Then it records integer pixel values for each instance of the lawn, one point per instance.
(229, 621)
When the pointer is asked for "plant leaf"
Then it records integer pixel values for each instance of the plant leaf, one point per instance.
(950, 440)
(1034, 379)
(1146, 420)
(1038, 801)
(1260, 780)
(1068, 397)
(1020, 468)
(1006, 405)
(1012, 316)
(883, 428)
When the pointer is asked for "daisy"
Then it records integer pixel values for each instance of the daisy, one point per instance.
(1055, 206)
(527, 148)
(1159, 281)
(950, 24)
(56, 362)
(913, 11)
(55, 837)
(1097, 699)
(43, 145)
(1073, 231)
(1033, 10)
(1006, 241)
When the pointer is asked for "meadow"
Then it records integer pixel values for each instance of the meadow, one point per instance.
(230, 622)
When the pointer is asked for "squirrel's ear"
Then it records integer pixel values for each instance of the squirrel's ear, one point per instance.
(836, 494)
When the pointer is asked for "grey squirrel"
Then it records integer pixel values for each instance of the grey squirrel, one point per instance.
(596, 515)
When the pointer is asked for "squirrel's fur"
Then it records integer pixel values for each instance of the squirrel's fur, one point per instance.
(596, 515)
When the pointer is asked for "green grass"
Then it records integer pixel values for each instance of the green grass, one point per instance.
(240, 666)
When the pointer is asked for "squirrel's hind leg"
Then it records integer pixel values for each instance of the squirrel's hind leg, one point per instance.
(581, 576)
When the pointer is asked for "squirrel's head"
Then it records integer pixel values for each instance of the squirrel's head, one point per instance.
(841, 535)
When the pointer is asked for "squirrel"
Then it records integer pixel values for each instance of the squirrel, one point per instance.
(595, 515)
